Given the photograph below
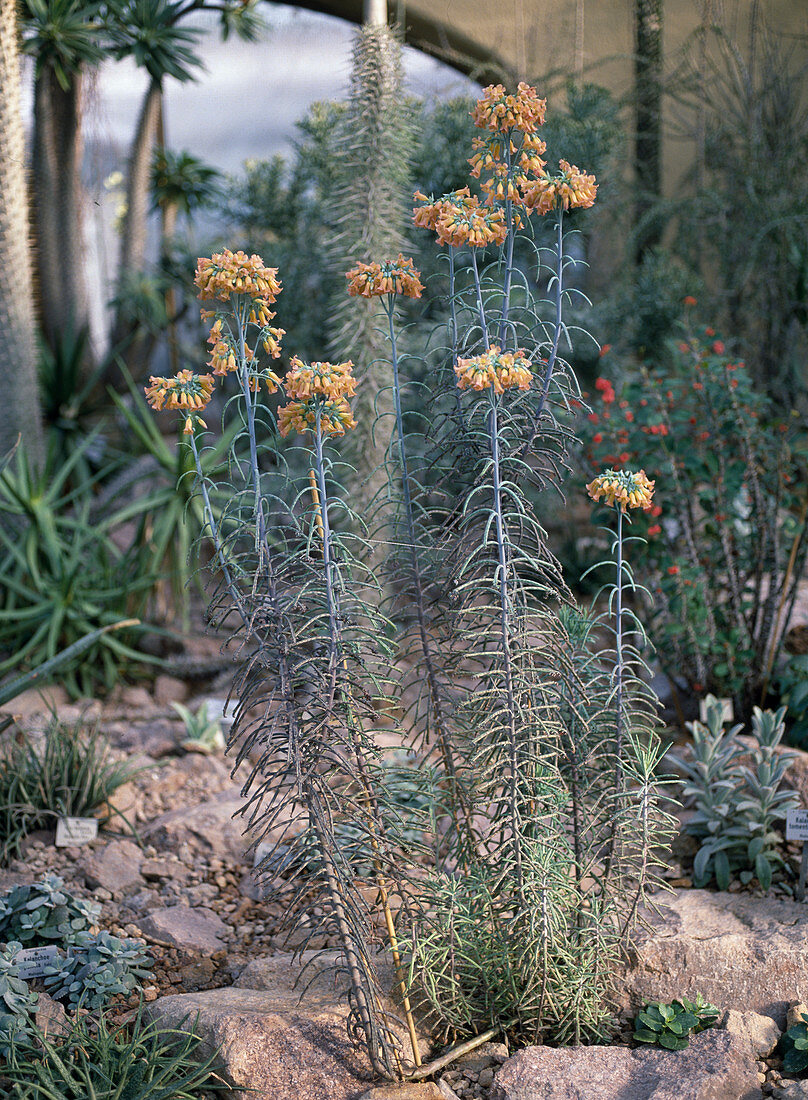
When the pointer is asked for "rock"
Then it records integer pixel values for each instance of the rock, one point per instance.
(760, 1032)
(37, 701)
(412, 1090)
(115, 867)
(795, 1014)
(51, 1017)
(157, 869)
(792, 1090)
(120, 809)
(168, 689)
(715, 1066)
(446, 1091)
(135, 697)
(208, 828)
(191, 930)
(738, 951)
(268, 1044)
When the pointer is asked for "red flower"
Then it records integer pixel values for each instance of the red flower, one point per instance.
(690, 300)
(575, 403)
(629, 416)
(605, 350)
(710, 331)
(608, 397)
(683, 347)
(733, 383)
(602, 384)
(625, 456)
(673, 570)
(654, 530)
(718, 347)
(643, 402)
(597, 438)
(656, 510)
(702, 436)
(593, 418)
(698, 385)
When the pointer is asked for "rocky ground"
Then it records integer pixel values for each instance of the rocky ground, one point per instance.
(171, 868)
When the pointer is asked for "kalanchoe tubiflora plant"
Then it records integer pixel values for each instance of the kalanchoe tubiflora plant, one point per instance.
(542, 750)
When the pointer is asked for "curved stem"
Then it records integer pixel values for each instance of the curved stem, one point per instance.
(444, 742)
(551, 361)
(479, 290)
(504, 617)
(461, 420)
(506, 292)
(260, 520)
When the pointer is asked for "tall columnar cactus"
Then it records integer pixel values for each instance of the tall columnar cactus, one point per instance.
(17, 319)
(371, 218)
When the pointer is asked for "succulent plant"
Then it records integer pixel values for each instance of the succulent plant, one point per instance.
(17, 1001)
(203, 731)
(671, 1025)
(793, 1046)
(43, 912)
(98, 968)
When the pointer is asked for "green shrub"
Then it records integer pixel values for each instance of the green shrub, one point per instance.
(17, 1002)
(98, 968)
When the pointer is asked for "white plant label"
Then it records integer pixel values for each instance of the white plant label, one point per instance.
(727, 712)
(72, 832)
(797, 825)
(33, 961)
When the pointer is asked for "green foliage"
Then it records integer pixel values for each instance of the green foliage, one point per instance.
(17, 1002)
(791, 683)
(98, 968)
(149, 34)
(719, 542)
(184, 182)
(747, 117)
(793, 1046)
(64, 576)
(65, 35)
(203, 733)
(70, 775)
(170, 514)
(96, 1058)
(671, 1025)
(41, 913)
(737, 807)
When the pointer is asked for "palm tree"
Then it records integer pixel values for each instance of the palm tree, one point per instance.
(21, 414)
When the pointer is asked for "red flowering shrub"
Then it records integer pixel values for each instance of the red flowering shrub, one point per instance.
(724, 523)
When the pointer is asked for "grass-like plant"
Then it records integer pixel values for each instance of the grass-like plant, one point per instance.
(70, 774)
(98, 1057)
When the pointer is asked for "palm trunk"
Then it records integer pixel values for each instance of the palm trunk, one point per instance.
(18, 362)
(58, 149)
(134, 237)
(648, 93)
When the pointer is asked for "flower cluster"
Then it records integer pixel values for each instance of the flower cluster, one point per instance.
(227, 273)
(187, 391)
(623, 488)
(318, 390)
(495, 370)
(459, 219)
(498, 111)
(301, 416)
(332, 380)
(376, 279)
(567, 189)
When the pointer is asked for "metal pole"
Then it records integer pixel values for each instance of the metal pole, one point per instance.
(375, 13)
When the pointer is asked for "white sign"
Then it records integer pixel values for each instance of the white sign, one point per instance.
(33, 961)
(71, 832)
(727, 713)
(797, 825)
